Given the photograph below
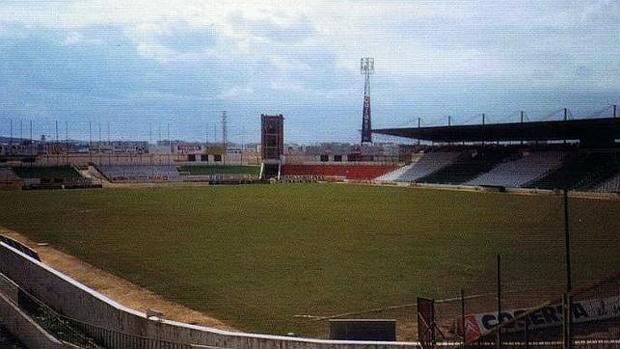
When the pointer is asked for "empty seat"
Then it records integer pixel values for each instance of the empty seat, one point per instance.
(427, 164)
(6, 174)
(394, 175)
(584, 171)
(611, 185)
(517, 172)
(140, 173)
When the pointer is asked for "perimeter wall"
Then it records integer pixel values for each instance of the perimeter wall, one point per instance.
(77, 301)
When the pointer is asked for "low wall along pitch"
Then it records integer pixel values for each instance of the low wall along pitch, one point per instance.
(74, 300)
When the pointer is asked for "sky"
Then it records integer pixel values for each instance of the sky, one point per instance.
(144, 67)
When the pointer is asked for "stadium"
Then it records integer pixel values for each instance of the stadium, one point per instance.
(490, 232)
(273, 242)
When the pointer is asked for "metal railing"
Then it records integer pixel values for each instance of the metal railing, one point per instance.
(88, 336)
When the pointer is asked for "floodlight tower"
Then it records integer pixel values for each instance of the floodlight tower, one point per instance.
(367, 67)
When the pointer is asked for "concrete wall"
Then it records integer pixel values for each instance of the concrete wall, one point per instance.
(24, 328)
(75, 300)
(19, 323)
(9, 289)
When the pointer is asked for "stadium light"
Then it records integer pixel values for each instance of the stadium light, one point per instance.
(367, 66)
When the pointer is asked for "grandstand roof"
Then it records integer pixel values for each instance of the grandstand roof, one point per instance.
(586, 130)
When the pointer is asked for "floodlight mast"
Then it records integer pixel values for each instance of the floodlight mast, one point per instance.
(367, 67)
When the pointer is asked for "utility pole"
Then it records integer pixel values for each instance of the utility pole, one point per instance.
(569, 284)
(206, 134)
(242, 143)
(224, 136)
(57, 159)
(483, 121)
(11, 137)
(419, 123)
(100, 142)
(31, 140)
(499, 304)
(224, 130)
(565, 118)
(615, 107)
(449, 124)
(463, 325)
(522, 117)
(90, 140)
(568, 314)
(169, 144)
(110, 146)
(67, 142)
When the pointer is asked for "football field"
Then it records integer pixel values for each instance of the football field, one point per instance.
(257, 256)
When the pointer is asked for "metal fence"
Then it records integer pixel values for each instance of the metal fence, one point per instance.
(526, 319)
(86, 335)
(114, 339)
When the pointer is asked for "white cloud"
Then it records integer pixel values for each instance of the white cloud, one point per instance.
(236, 92)
(517, 41)
(73, 38)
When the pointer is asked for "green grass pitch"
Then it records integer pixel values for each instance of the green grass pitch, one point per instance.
(256, 256)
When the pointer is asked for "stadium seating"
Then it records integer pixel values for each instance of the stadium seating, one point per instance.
(394, 175)
(50, 173)
(427, 164)
(585, 170)
(9, 180)
(604, 167)
(356, 172)
(198, 170)
(611, 185)
(139, 173)
(6, 174)
(468, 166)
(517, 172)
(52, 177)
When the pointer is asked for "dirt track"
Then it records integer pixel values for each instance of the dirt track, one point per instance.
(121, 290)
